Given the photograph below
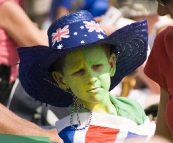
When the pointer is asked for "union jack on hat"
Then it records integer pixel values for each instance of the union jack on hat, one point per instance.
(71, 32)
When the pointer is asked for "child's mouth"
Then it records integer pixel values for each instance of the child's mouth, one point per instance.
(93, 89)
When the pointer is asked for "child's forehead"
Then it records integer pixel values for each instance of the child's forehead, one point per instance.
(95, 52)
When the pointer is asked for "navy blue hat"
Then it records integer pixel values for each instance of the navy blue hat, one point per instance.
(71, 32)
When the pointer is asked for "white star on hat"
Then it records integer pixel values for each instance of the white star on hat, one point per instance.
(60, 46)
(100, 36)
(75, 33)
(82, 42)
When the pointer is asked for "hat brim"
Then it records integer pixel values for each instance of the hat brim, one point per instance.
(130, 41)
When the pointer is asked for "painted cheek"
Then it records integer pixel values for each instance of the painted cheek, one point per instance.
(74, 81)
(79, 82)
(105, 78)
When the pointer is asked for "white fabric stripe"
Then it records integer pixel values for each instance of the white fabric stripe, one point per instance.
(79, 136)
(111, 121)
(121, 136)
(65, 122)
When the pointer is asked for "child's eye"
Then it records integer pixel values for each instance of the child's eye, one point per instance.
(97, 67)
(79, 72)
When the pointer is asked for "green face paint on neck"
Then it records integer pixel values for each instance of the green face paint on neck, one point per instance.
(87, 73)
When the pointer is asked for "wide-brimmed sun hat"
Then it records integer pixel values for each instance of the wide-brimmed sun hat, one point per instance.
(71, 32)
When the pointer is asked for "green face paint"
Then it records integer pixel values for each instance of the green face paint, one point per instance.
(87, 73)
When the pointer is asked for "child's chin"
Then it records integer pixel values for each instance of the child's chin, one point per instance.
(95, 99)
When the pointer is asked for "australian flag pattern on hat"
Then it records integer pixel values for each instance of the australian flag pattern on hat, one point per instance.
(104, 128)
(81, 33)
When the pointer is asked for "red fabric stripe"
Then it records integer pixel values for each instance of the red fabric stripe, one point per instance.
(96, 134)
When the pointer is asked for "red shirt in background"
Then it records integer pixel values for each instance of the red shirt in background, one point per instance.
(8, 50)
(159, 67)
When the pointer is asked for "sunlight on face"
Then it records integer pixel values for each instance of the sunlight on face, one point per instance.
(87, 73)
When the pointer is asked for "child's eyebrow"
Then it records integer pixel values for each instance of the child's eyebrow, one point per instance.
(76, 66)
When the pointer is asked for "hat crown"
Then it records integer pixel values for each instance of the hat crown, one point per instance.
(73, 30)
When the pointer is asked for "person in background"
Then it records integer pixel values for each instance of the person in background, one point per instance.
(63, 7)
(16, 29)
(37, 10)
(159, 68)
(10, 123)
(137, 10)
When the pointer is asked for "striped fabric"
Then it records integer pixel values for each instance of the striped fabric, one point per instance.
(104, 128)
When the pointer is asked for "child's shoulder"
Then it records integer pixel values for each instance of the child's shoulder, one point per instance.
(124, 101)
(129, 108)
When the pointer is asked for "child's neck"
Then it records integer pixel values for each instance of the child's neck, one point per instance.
(104, 106)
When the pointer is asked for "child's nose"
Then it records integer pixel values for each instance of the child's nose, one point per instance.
(92, 80)
(92, 76)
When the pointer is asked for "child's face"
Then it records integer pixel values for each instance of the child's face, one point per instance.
(87, 73)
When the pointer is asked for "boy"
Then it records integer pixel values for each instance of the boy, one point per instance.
(79, 68)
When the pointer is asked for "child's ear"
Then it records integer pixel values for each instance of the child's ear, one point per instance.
(59, 78)
(112, 62)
